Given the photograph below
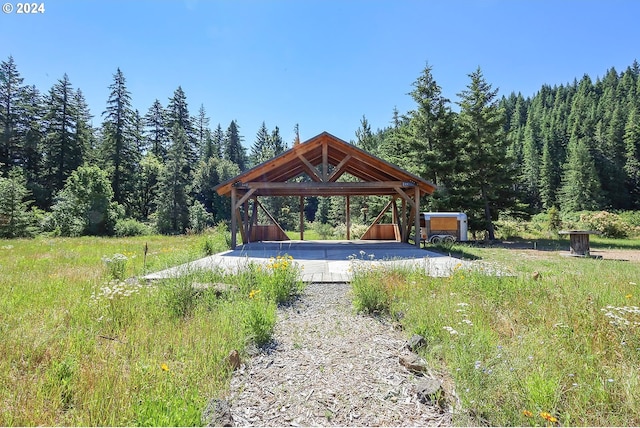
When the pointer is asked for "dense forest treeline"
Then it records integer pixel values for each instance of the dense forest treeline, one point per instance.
(573, 146)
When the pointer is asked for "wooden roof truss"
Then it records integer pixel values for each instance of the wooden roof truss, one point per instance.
(324, 159)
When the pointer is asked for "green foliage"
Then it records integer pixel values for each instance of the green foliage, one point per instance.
(487, 167)
(609, 224)
(260, 318)
(324, 230)
(279, 280)
(85, 206)
(199, 218)
(15, 219)
(555, 221)
(131, 227)
(172, 202)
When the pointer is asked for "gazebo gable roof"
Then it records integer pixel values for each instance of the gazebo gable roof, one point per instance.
(324, 158)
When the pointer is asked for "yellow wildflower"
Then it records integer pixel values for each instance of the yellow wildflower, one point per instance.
(253, 293)
(548, 417)
(164, 367)
(527, 413)
(628, 296)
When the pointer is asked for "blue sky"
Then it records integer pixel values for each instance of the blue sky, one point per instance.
(321, 64)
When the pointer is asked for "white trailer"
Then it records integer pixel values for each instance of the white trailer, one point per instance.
(443, 227)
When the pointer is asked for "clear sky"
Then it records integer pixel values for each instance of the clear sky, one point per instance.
(322, 64)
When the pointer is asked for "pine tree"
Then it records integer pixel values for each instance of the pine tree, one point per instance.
(233, 149)
(15, 220)
(365, 138)
(118, 146)
(156, 130)
(173, 198)
(202, 131)
(178, 115)
(296, 137)
(63, 152)
(581, 188)
(262, 148)
(33, 145)
(432, 130)
(632, 157)
(487, 168)
(277, 143)
(12, 97)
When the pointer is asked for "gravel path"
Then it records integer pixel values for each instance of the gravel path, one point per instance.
(329, 366)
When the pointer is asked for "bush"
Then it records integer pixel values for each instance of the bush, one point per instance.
(323, 229)
(199, 218)
(260, 318)
(280, 281)
(610, 225)
(131, 227)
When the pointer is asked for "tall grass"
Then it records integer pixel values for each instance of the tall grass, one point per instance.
(559, 346)
(82, 345)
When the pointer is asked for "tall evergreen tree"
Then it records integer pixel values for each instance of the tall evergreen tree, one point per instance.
(12, 97)
(178, 115)
(202, 131)
(33, 145)
(432, 129)
(118, 147)
(233, 149)
(262, 148)
(581, 188)
(15, 220)
(64, 153)
(173, 198)
(632, 157)
(156, 130)
(488, 174)
(365, 138)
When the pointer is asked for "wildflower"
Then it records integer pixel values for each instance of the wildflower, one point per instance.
(548, 417)
(527, 413)
(253, 293)
(164, 367)
(628, 296)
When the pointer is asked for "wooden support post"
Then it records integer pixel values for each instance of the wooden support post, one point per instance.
(348, 219)
(254, 216)
(302, 218)
(417, 216)
(245, 213)
(233, 218)
(403, 226)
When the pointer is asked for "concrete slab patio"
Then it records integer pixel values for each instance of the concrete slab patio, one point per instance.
(322, 261)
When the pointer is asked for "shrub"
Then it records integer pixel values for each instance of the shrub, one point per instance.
(260, 318)
(323, 229)
(131, 227)
(609, 224)
(280, 280)
(199, 218)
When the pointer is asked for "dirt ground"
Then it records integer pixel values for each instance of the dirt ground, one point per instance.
(526, 248)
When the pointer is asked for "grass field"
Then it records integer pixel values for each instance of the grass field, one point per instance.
(82, 347)
(556, 343)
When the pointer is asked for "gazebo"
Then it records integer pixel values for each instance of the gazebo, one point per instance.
(324, 159)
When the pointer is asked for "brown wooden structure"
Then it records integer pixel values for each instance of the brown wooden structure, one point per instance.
(579, 242)
(324, 159)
